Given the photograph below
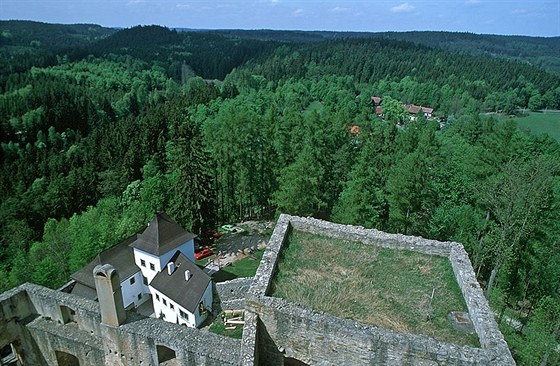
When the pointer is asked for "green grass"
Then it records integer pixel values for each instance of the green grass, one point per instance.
(538, 123)
(246, 267)
(218, 327)
(388, 288)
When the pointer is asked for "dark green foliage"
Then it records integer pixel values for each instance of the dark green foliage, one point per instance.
(539, 51)
(24, 33)
(92, 146)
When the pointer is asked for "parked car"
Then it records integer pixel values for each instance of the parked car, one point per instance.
(203, 253)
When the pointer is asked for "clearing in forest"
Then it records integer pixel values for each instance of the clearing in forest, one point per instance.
(385, 287)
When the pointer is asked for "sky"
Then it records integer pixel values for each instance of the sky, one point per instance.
(529, 17)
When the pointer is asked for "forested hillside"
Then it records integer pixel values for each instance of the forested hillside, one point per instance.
(537, 51)
(214, 129)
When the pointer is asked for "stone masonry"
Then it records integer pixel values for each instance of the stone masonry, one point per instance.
(49, 327)
(287, 331)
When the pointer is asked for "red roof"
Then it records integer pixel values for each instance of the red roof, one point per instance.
(413, 109)
(355, 130)
(378, 110)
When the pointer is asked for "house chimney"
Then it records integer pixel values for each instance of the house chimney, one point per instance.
(188, 275)
(170, 268)
(108, 287)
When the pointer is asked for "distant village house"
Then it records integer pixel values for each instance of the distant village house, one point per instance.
(412, 109)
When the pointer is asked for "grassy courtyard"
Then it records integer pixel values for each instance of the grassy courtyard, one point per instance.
(246, 267)
(219, 327)
(388, 288)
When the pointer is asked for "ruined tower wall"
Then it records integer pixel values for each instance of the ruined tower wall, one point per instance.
(318, 338)
(306, 335)
(45, 321)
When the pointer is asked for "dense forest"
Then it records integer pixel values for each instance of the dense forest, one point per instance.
(538, 51)
(216, 128)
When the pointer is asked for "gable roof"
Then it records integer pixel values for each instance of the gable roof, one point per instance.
(185, 293)
(376, 99)
(161, 236)
(413, 108)
(120, 256)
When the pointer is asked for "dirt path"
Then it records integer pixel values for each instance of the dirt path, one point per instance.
(233, 246)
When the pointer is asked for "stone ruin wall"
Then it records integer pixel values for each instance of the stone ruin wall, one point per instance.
(283, 329)
(231, 294)
(40, 322)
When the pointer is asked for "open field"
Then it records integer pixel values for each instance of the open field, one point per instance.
(388, 288)
(538, 122)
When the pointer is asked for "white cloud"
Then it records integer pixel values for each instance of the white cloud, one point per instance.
(473, 2)
(274, 1)
(135, 2)
(298, 12)
(519, 11)
(183, 6)
(339, 9)
(402, 8)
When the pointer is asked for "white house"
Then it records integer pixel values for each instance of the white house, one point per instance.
(158, 265)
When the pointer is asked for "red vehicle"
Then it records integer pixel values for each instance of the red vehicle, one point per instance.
(203, 253)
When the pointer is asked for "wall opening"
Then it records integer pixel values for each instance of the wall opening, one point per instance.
(288, 361)
(8, 356)
(67, 314)
(165, 354)
(66, 359)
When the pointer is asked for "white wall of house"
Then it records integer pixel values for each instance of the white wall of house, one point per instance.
(151, 264)
(174, 313)
(170, 310)
(186, 248)
(148, 263)
(134, 290)
(207, 301)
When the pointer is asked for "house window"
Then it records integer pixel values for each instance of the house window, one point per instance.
(139, 296)
(152, 267)
(145, 280)
(142, 263)
(164, 301)
(132, 280)
(157, 297)
(171, 306)
(183, 314)
(201, 309)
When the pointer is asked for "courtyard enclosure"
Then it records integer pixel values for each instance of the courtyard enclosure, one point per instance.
(401, 290)
(281, 329)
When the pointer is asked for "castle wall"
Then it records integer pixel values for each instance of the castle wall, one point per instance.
(319, 338)
(44, 321)
(40, 322)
